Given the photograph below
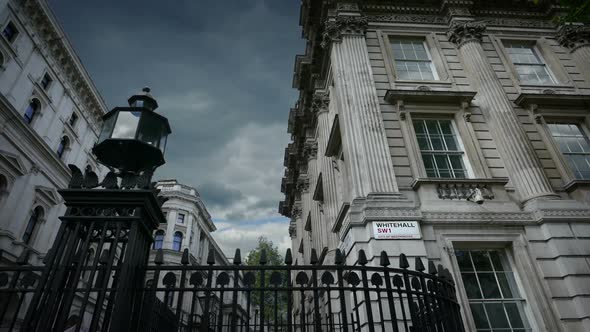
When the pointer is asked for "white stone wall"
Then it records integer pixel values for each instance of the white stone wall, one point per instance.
(28, 158)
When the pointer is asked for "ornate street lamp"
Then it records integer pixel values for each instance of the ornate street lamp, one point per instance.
(133, 139)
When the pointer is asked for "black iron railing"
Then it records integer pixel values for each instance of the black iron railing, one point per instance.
(186, 297)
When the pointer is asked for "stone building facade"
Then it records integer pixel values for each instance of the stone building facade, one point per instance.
(189, 227)
(455, 131)
(50, 116)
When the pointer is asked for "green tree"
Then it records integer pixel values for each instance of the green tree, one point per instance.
(273, 258)
(577, 11)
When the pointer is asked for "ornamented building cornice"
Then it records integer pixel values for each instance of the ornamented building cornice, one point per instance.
(574, 36)
(62, 52)
(343, 26)
(461, 33)
(310, 149)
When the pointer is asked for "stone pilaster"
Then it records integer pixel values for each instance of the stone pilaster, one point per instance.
(576, 37)
(330, 189)
(363, 133)
(520, 159)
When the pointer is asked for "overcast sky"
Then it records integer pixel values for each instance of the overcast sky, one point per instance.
(221, 71)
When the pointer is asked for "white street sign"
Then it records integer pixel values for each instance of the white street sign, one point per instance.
(399, 230)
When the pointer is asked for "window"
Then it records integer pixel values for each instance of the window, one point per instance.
(10, 32)
(574, 145)
(73, 119)
(412, 60)
(491, 288)
(529, 65)
(440, 148)
(180, 218)
(177, 241)
(32, 110)
(46, 81)
(36, 216)
(63, 145)
(159, 239)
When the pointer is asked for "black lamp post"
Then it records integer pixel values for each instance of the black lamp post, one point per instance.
(133, 139)
(116, 221)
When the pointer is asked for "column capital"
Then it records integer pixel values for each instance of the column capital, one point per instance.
(573, 36)
(339, 26)
(461, 33)
(320, 102)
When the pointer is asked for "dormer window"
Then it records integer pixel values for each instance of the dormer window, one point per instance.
(46, 81)
(10, 32)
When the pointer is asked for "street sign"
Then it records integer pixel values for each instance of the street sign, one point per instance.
(399, 230)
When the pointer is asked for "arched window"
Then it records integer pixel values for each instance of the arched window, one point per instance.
(159, 239)
(36, 216)
(32, 110)
(177, 241)
(63, 145)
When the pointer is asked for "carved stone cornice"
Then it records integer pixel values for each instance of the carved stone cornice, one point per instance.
(51, 34)
(343, 26)
(320, 102)
(461, 33)
(574, 36)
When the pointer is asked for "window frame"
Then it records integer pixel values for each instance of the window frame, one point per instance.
(39, 218)
(174, 242)
(156, 234)
(533, 292)
(36, 113)
(510, 262)
(178, 215)
(438, 62)
(473, 156)
(47, 87)
(16, 28)
(537, 53)
(460, 145)
(64, 149)
(541, 119)
(430, 61)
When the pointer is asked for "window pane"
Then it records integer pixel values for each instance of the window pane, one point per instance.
(514, 314)
(497, 259)
(464, 261)
(471, 285)
(443, 166)
(481, 260)
(506, 280)
(126, 125)
(575, 147)
(489, 286)
(497, 315)
(479, 316)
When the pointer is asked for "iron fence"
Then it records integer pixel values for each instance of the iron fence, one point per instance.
(211, 297)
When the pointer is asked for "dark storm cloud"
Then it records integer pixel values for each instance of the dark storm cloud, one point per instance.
(221, 71)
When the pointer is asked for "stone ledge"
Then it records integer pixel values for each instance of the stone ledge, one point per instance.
(428, 96)
(552, 98)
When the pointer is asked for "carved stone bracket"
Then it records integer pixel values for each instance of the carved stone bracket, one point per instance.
(462, 190)
(461, 33)
(292, 229)
(311, 149)
(296, 212)
(343, 25)
(574, 36)
(320, 102)
(303, 184)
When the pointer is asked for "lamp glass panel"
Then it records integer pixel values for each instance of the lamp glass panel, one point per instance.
(150, 129)
(126, 125)
(107, 128)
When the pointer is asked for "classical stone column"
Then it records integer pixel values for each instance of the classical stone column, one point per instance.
(365, 144)
(522, 164)
(576, 37)
(330, 205)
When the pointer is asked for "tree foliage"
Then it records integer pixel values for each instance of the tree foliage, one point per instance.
(273, 258)
(577, 11)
